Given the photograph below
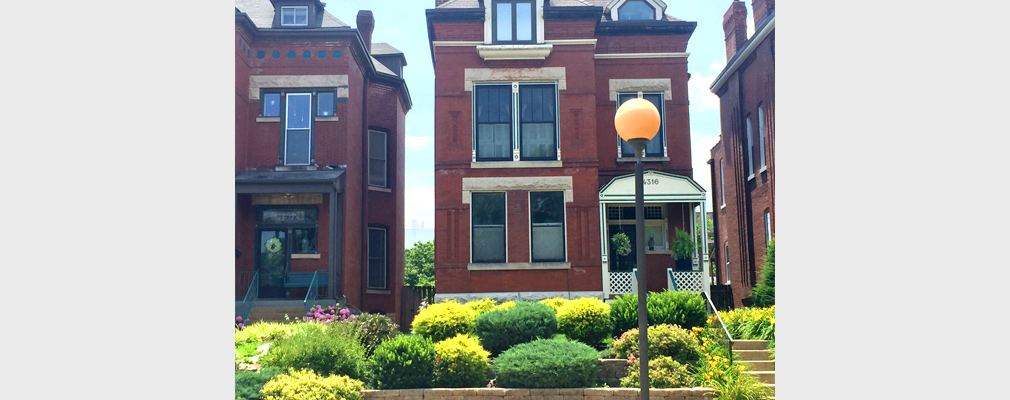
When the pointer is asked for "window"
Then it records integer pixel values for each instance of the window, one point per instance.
(377, 259)
(547, 226)
(656, 146)
(722, 183)
(295, 16)
(636, 9)
(761, 138)
(487, 218)
(297, 109)
(748, 156)
(726, 256)
(622, 218)
(377, 158)
(513, 21)
(768, 226)
(535, 125)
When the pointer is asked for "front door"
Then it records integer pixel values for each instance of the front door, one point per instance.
(272, 260)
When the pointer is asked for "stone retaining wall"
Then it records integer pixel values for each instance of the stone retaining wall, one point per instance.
(698, 393)
(611, 371)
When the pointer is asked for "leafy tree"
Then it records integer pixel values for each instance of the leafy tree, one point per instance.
(697, 229)
(419, 267)
(764, 292)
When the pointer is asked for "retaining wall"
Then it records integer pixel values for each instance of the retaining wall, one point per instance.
(698, 393)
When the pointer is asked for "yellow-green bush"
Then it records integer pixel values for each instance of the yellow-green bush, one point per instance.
(307, 385)
(444, 320)
(555, 302)
(460, 362)
(262, 332)
(664, 373)
(481, 306)
(504, 306)
(585, 319)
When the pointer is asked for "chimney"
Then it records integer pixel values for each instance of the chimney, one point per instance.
(366, 23)
(761, 8)
(439, 2)
(734, 24)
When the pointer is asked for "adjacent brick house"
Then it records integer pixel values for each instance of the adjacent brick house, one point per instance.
(531, 179)
(319, 156)
(743, 161)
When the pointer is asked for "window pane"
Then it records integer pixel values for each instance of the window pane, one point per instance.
(538, 141)
(377, 258)
(304, 241)
(655, 239)
(547, 216)
(748, 156)
(524, 22)
(301, 16)
(297, 147)
(635, 9)
(655, 146)
(287, 16)
(494, 141)
(377, 173)
(488, 244)
(377, 145)
(299, 111)
(488, 223)
(761, 136)
(536, 103)
(504, 22)
(325, 107)
(272, 105)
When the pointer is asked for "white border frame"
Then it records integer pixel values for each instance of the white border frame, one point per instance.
(287, 106)
(385, 152)
(470, 224)
(385, 257)
(294, 17)
(564, 222)
(658, 6)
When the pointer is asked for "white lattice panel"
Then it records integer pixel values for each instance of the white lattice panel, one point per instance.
(688, 280)
(622, 282)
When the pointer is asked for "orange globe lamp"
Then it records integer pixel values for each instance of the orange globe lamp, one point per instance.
(637, 122)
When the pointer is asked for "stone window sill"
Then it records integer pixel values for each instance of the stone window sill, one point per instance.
(514, 51)
(518, 266)
(305, 256)
(515, 164)
(644, 159)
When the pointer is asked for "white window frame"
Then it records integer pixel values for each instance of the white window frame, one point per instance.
(658, 6)
(385, 159)
(287, 126)
(722, 183)
(768, 226)
(749, 149)
(564, 221)
(726, 257)
(385, 259)
(662, 121)
(761, 138)
(506, 223)
(294, 15)
(516, 120)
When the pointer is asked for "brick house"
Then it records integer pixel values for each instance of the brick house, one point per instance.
(531, 179)
(743, 161)
(319, 157)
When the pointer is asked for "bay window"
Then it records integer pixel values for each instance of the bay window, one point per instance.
(297, 110)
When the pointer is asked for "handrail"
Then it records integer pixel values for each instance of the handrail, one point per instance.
(711, 306)
(669, 271)
(251, 294)
(310, 295)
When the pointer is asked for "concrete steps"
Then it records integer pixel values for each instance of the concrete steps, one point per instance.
(756, 356)
(275, 313)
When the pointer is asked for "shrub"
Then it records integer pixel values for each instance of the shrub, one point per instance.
(504, 306)
(326, 315)
(526, 321)
(664, 340)
(547, 363)
(555, 302)
(444, 320)
(586, 319)
(332, 350)
(262, 332)
(750, 323)
(373, 329)
(683, 308)
(481, 306)
(404, 362)
(664, 373)
(249, 383)
(460, 362)
(764, 292)
(307, 385)
(624, 313)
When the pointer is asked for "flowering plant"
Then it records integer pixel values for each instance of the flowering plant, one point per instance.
(326, 315)
(239, 324)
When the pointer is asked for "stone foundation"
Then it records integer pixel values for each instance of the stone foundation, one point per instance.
(698, 393)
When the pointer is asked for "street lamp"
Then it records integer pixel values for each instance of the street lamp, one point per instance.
(637, 121)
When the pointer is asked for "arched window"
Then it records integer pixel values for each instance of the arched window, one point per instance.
(636, 9)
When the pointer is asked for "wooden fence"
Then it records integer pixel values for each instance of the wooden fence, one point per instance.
(410, 299)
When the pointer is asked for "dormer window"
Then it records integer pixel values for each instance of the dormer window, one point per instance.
(295, 16)
(636, 9)
(514, 21)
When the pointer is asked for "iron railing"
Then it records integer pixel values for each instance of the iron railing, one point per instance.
(245, 308)
(311, 295)
(712, 310)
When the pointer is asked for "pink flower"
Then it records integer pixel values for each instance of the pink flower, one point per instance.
(238, 318)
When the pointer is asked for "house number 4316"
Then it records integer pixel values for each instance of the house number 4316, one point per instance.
(651, 181)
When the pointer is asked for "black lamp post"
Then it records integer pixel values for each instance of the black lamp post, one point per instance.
(637, 121)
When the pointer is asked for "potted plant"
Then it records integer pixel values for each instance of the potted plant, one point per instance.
(622, 244)
(683, 247)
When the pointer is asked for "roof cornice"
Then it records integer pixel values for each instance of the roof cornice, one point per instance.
(764, 29)
(570, 13)
(449, 15)
(644, 27)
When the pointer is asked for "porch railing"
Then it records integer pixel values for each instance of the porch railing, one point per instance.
(713, 311)
(684, 280)
(311, 295)
(245, 308)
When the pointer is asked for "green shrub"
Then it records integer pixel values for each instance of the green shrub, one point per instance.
(404, 362)
(481, 306)
(664, 340)
(682, 308)
(249, 383)
(740, 386)
(444, 320)
(750, 323)
(555, 302)
(624, 313)
(460, 362)
(764, 292)
(307, 385)
(262, 332)
(547, 363)
(586, 319)
(331, 350)
(524, 322)
(664, 373)
(373, 329)
(504, 306)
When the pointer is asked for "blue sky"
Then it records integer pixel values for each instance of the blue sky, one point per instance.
(402, 24)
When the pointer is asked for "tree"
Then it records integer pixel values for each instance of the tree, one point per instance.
(764, 292)
(419, 264)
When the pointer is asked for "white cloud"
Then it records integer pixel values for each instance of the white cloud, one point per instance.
(701, 151)
(417, 142)
(699, 95)
(419, 202)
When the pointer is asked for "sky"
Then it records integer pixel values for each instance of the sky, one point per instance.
(402, 24)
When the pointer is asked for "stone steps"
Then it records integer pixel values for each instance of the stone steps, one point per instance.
(756, 356)
(275, 314)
